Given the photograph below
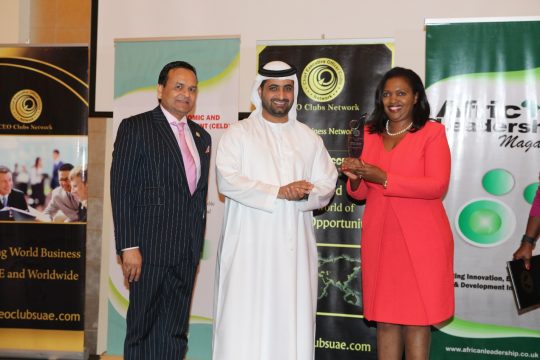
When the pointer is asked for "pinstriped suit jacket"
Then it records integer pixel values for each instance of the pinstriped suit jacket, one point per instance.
(152, 206)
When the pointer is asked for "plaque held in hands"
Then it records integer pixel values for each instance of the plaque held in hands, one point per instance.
(356, 137)
(355, 141)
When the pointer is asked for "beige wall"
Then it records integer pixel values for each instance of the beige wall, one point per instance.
(59, 21)
(285, 20)
(13, 18)
(45, 21)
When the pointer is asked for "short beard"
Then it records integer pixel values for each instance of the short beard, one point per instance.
(279, 114)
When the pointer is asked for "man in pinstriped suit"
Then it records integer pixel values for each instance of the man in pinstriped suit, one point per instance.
(159, 222)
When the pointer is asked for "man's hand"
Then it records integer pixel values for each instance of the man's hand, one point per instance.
(131, 264)
(295, 190)
(524, 252)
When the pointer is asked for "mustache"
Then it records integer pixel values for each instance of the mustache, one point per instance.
(182, 98)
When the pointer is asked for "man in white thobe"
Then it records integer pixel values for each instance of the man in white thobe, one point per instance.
(273, 171)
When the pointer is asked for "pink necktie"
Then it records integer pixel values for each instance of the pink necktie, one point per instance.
(189, 162)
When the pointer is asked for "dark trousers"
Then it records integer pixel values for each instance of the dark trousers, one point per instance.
(158, 312)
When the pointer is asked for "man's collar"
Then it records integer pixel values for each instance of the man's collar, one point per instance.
(170, 117)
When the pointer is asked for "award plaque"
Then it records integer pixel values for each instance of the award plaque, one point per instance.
(355, 140)
(356, 137)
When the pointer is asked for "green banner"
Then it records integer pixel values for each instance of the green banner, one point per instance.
(483, 83)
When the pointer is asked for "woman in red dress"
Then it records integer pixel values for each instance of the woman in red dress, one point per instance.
(407, 244)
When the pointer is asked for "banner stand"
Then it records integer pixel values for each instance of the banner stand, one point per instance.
(43, 136)
(26, 354)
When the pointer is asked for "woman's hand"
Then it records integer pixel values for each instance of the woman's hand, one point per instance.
(524, 252)
(372, 173)
(357, 169)
(350, 167)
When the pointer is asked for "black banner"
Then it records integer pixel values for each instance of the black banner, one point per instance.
(43, 127)
(42, 272)
(44, 91)
(337, 85)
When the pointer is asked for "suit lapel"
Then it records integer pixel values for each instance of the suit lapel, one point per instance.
(168, 137)
(202, 148)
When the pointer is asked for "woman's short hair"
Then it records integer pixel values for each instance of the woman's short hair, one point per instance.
(421, 109)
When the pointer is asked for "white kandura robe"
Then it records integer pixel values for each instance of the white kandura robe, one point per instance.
(266, 291)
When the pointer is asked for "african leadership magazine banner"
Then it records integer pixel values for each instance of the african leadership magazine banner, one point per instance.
(483, 83)
(337, 84)
(137, 66)
(43, 125)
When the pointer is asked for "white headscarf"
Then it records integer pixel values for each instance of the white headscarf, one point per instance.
(279, 67)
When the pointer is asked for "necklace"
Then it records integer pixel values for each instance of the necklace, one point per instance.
(400, 131)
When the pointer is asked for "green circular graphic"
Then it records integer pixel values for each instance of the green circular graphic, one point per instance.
(498, 181)
(530, 192)
(485, 223)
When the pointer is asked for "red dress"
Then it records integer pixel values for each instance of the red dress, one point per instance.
(407, 245)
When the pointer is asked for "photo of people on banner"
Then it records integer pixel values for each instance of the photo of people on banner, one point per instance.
(43, 179)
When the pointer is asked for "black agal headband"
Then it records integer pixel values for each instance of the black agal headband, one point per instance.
(277, 73)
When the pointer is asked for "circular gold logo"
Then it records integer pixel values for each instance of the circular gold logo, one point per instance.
(26, 106)
(323, 79)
